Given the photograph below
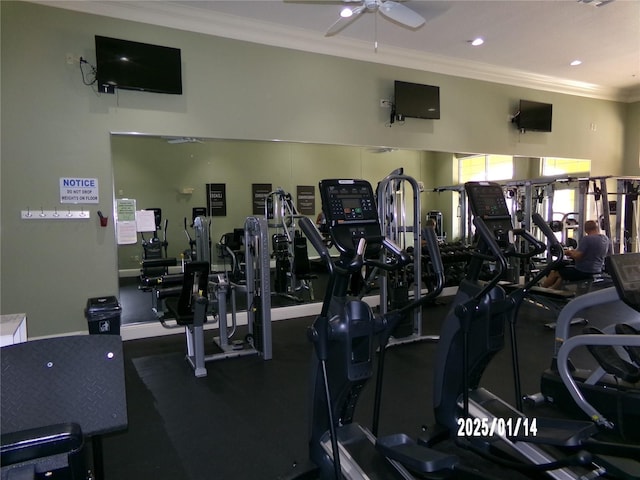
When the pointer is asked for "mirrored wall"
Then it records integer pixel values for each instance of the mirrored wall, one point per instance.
(179, 174)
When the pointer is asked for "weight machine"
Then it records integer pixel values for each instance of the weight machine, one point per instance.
(155, 262)
(626, 236)
(396, 223)
(289, 247)
(465, 227)
(209, 296)
(190, 254)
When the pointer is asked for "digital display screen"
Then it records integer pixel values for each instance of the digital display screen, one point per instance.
(351, 203)
(534, 116)
(416, 101)
(137, 66)
(625, 273)
(360, 349)
(629, 275)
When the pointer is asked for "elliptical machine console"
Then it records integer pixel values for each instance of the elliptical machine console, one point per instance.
(487, 201)
(625, 273)
(350, 209)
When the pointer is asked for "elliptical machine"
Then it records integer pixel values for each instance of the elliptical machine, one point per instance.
(612, 390)
(345, 336)
(474, 331)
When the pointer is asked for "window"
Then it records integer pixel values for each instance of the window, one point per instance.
(564, 199)
(485, 167)
(557, 166)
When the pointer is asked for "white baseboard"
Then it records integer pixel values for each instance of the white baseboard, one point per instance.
(155, 329)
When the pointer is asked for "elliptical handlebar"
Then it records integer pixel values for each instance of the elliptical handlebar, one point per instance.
(538, 246)
(497, 253)
(311, 232)
(401, 259)
(431, 243)
(500, 254)
(555, 249)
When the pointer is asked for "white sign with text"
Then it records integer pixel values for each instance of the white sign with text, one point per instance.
(79, 190)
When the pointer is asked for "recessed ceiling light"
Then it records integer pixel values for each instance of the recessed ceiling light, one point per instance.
(575, 63)
(346, 12)
(476, 42)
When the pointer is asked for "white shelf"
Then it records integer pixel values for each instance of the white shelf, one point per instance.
(13, 329)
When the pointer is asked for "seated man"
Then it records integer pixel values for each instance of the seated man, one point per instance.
(588, 258)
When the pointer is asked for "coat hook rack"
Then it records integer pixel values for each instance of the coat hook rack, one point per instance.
(55, 214)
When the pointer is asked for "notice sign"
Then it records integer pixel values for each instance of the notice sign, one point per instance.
(217, 199)
(126, 231)
(306, 200)
(79, 190)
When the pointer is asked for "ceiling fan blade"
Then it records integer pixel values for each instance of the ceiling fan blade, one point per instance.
(343, 22)
(401, 14)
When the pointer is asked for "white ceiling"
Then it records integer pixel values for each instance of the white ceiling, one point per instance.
(527, 42)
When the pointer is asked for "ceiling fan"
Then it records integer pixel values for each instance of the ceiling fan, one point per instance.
(390, 9)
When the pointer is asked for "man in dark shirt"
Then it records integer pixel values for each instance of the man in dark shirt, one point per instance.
(588, 258)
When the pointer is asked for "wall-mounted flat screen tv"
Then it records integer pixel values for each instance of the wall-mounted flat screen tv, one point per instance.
(534, 116)
(416, 101)
(137, 66)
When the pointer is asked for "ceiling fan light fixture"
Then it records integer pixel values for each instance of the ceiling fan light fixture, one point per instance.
(575, 63)
(346, 12)
(476, 42)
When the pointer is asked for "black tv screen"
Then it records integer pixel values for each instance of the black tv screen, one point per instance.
(534, 116)
(416, 101)
(137, 66)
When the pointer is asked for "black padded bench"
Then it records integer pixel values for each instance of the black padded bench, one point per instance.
(56, 393)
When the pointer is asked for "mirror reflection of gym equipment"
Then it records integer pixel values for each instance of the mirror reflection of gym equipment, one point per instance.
(400, 216)
(293, 276)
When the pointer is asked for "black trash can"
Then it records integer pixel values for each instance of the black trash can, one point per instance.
(103, 315)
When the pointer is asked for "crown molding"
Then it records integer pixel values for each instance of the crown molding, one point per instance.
(184, 17)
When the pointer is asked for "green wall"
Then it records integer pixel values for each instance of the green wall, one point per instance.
(632, 140)
(53, 126)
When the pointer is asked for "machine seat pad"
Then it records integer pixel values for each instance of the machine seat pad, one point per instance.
(174, 311)
(634, 352)
(406, 451)
(610, 361)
